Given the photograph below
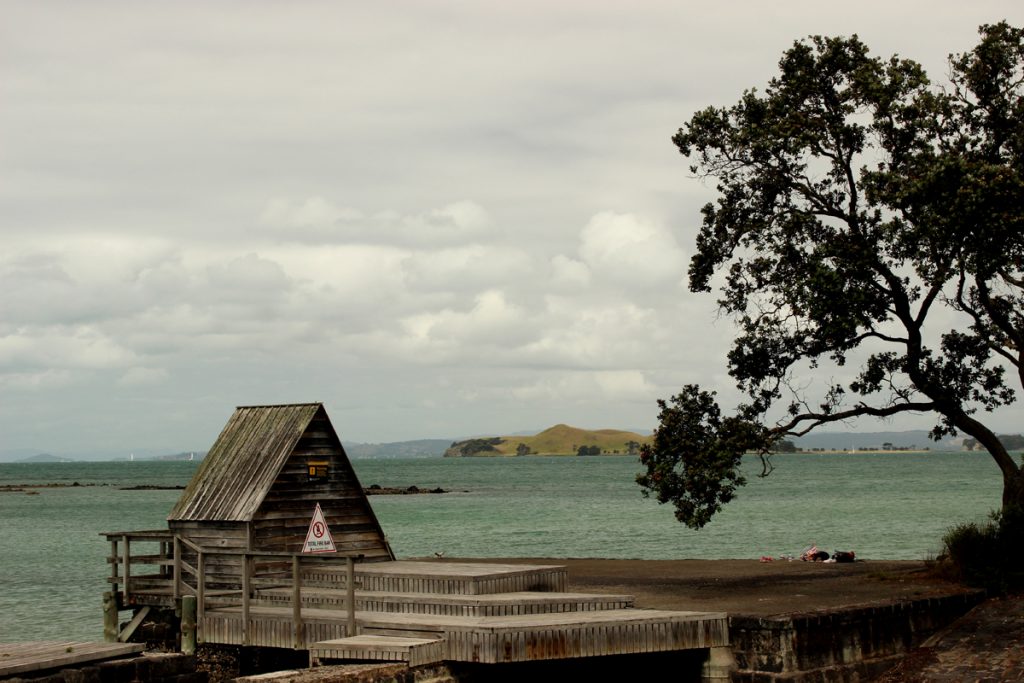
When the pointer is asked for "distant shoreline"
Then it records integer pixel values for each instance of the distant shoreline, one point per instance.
(373, 490)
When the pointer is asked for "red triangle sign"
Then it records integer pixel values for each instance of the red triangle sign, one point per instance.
(318, 538)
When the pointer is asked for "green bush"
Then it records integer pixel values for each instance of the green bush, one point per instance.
(990, 555)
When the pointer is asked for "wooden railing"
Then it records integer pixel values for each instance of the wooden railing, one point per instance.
(182, 571)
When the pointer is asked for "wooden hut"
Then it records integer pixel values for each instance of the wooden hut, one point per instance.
(259, 485)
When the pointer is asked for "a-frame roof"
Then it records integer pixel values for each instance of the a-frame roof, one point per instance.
(237, 473)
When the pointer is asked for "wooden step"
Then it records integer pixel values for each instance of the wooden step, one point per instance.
(414, 651)
(487, 605)
(485, 639)
(444, 578)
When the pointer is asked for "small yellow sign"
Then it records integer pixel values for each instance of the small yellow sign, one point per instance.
(317, 470)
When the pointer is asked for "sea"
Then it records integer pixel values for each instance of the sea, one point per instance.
(879, 505)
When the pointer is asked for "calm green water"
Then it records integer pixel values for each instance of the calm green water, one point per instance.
(52, 559)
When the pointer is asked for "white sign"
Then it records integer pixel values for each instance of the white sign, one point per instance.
(318, 538)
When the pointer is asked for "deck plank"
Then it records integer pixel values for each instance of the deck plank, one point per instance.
(24, 657)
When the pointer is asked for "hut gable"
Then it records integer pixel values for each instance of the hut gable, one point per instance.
(264, 476)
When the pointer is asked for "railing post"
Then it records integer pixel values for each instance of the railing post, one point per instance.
(350, 595)
(246, 567)
(126, 554)
(177, 567)
(296, 603)
(115, 559)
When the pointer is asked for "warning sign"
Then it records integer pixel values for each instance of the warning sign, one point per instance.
(318, 538)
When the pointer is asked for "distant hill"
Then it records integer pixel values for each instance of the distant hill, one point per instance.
(46, 457)
(558, 440)
(911, 440)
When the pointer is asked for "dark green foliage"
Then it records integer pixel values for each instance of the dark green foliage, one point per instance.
(989, 555)
(476, 446)
(695, 458)
(865, 217)
(784, 446)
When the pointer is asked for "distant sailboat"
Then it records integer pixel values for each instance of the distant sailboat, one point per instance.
(191, 456)
(131, 457)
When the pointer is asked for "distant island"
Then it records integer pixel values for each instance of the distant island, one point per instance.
(46, 457)
(561, 440)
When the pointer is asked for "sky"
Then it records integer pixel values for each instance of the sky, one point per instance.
(440, 219)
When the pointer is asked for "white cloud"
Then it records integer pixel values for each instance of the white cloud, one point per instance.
(80, 348)
(143, 376)
(588, 387)
(473, 266)
(319, 220)
(569, 273)
(492, 321)
(315, 214)
(632, 251)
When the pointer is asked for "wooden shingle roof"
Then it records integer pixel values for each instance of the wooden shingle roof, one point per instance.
(240, 468)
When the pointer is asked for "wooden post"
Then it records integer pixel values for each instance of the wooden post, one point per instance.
(188, 624)
(127, 562)
(110, 620)
(201, 590)
(246, 566)
(114, 559)
(350, 595)
(296, 603)
(177, 567)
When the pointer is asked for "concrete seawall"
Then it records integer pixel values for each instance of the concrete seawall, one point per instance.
(840, 644)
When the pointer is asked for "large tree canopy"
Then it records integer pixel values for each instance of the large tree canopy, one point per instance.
(866, 216)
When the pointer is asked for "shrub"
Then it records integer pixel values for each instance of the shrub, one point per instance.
(990, 555)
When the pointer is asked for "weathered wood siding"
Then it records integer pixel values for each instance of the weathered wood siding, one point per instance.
(282, 520)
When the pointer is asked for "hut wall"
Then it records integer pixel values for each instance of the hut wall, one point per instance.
(215, 535)
(282, 519)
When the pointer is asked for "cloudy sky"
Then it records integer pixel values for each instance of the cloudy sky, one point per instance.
(440, 218)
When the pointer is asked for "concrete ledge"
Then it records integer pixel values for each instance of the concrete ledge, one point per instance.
(838, 645)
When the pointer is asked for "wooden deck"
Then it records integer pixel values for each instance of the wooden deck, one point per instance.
(30, 657)
(457, 611)
(486, 628)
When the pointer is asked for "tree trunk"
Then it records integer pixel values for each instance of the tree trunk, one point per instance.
(1013, 474)
(1013, 489)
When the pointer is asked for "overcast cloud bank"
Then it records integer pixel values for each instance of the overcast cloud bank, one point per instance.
(441, 218)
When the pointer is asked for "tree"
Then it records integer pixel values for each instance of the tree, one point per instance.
(785, 446)
(865, 217)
